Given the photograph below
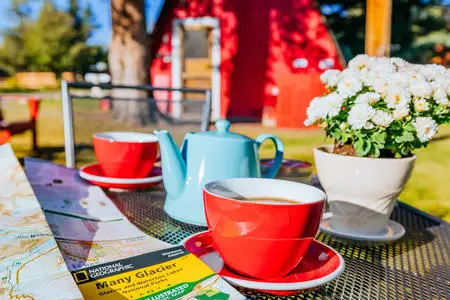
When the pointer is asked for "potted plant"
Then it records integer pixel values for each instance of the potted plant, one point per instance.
(378, 111)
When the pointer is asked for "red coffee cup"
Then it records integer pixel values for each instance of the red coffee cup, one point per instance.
(262, 239)
(126, 154)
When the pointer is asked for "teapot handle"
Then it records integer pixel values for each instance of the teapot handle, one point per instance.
(279, 148)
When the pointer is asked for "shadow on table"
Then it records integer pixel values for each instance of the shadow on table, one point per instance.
(417, 234)
(359, 219)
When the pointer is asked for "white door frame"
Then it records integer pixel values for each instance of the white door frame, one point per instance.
(212, 23)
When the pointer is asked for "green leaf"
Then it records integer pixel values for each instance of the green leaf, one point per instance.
(407, 136)
(409, 127)
(399, 139)
(376, 152)
(345, 137)
(366, 149)
(379, 137)
(337, 134)
(359, 147)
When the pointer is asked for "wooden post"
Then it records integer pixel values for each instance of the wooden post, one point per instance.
(378, 27)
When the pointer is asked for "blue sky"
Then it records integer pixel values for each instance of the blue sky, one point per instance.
(101, 10)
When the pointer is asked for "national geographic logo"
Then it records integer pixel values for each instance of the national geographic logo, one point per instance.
(81, 276)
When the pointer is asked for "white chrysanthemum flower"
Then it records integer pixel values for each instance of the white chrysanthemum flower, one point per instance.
(333, 104)
(369, 125)
(412, 74)
(446, 74)
(441, 89)
(397, 97)
(379, 85)
(359, 115)
(349, 73)
(321, 107)
(368, 98)
(315, 111)
(308, 122)
(349, 85)
(360, 62)
(420, 88)
(382, 118)
(421, 105)
(431, 72)
(444, 101)
(368, 77)
(447, 88)
(383, 65)
(439, 94)
(398, 80)
(400, 112)
(407, 68)
(398, 62)
(425, 127)
(330, 77)
(443, 81)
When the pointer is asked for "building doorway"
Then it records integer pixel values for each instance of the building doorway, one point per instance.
(196, 60)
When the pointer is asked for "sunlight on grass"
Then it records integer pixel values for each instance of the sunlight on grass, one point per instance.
(428, 188)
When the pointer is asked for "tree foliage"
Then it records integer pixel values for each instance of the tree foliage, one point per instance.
(54, 41)
(414, 23)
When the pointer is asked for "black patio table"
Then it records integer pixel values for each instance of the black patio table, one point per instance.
(415, 267)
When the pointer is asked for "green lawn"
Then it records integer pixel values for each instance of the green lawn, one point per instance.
(428, 189)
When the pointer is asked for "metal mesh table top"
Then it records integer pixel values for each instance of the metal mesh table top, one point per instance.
(415, 267)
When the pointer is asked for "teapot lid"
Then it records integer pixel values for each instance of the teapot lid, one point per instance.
(222, 131)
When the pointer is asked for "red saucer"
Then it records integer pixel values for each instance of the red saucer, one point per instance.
(320, 265)
(94, 174)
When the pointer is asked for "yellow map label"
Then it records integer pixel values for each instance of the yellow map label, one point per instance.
(139, 277)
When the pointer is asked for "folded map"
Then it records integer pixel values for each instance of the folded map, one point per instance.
(109, 257)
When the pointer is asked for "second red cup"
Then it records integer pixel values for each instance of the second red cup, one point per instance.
(262, 227)
(126, 154)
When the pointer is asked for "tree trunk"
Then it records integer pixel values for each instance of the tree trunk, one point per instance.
(129, 61)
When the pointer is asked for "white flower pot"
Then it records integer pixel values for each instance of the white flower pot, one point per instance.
(361, 191)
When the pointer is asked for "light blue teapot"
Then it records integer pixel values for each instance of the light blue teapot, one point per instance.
(205, 157)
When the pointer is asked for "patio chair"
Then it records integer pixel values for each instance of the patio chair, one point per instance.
(161, 103)
(8, 129)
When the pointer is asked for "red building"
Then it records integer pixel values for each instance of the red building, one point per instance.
(261, 58)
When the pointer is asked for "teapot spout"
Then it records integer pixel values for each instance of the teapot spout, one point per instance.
(173, 164)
